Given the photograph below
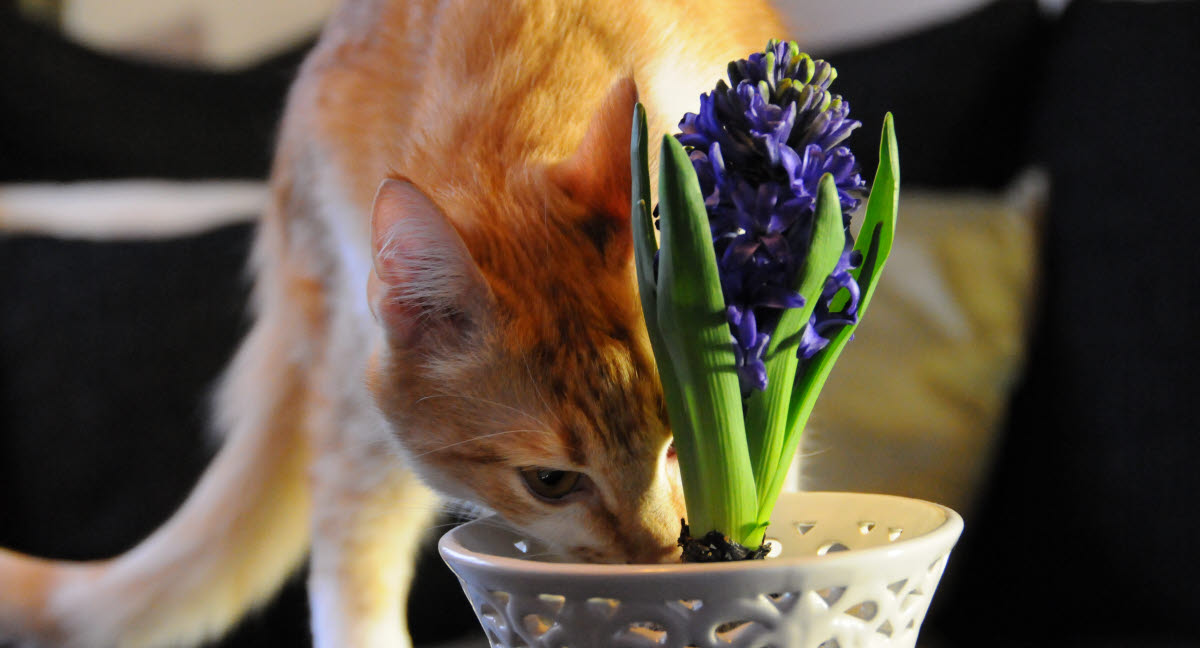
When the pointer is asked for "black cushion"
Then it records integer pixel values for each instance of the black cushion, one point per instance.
(1088, 527)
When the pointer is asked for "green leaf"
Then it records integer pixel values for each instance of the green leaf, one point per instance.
(772, 441)
(874, 243)
(645, 245)
(879, 222)
(715, 466)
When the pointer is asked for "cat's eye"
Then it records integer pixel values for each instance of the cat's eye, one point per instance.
(551, 484)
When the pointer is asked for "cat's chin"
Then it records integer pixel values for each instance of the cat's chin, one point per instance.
(649, 552)
(527, 543)
(541, 552)
(652, 556)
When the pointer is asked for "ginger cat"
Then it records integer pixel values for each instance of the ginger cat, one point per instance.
(445, 298)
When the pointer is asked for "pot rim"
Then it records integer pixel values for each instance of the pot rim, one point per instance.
(943, 535)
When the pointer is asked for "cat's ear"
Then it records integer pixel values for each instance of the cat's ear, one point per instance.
(597, 174)
(423, 280)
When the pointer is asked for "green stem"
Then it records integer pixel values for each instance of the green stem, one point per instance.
(771, 434)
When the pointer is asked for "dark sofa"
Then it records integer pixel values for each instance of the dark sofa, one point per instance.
(1085, 532)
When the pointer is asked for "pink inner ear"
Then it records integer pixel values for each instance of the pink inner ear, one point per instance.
(422, 270)
(398, 207)
(598, 173)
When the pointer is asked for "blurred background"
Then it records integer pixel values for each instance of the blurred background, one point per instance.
(1028, 361)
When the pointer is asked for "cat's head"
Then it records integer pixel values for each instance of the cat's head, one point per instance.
(517, 370)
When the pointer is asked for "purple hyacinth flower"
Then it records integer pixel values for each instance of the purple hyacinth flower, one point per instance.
(748, 347)
(760, 144)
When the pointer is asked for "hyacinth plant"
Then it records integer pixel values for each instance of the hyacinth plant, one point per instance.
(758, 283)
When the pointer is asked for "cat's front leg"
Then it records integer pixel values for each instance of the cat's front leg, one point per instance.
(370, 514)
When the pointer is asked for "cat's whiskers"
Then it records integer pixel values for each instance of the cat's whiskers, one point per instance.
(493, 522)
(546, 224)
(465, 509)
(537, 390)
(472, 439)
(487, 401)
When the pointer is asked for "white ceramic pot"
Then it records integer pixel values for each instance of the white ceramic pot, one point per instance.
(850, 570)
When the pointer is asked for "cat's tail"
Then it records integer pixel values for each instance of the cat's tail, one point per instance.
(232, 543)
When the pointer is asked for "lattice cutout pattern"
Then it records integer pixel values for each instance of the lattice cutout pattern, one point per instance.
(863, 606)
